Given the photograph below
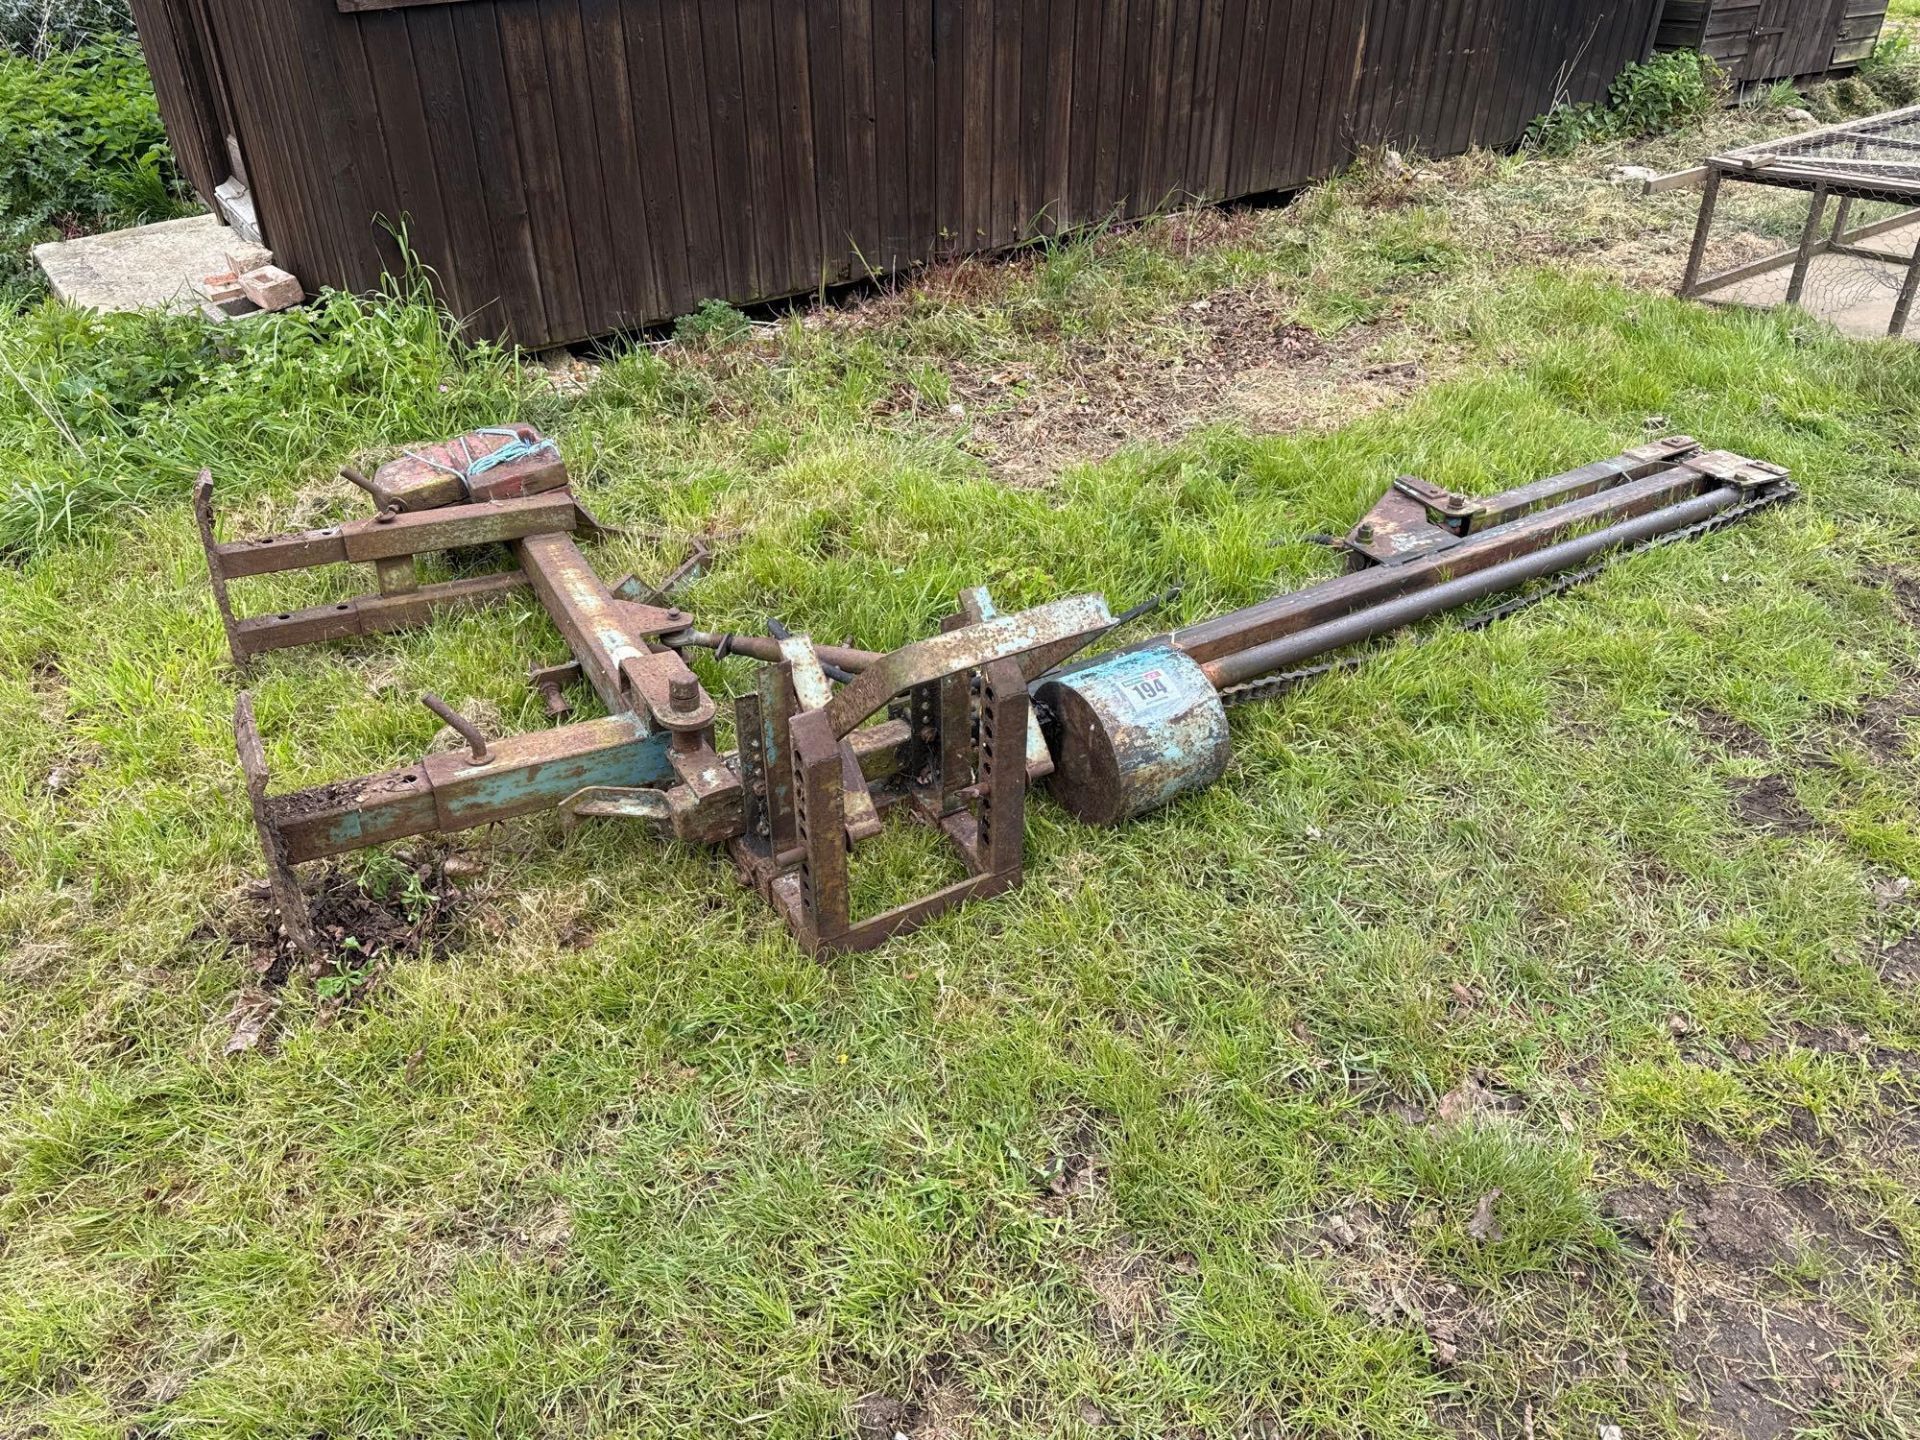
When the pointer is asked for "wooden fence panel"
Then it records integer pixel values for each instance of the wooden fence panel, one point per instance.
(568, 168)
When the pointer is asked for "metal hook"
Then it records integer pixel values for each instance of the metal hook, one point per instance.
(465, 728)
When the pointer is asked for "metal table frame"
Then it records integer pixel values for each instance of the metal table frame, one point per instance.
(1806, 162)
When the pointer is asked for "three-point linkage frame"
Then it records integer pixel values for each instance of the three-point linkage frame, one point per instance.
(951, 730)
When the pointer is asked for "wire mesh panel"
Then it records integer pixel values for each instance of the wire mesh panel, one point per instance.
(1828, 220)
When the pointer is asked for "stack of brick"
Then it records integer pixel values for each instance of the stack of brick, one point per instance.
(250, 283)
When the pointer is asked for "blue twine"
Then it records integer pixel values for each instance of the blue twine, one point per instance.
(516, 448)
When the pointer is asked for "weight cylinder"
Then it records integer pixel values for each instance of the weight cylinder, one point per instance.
(1133, 732)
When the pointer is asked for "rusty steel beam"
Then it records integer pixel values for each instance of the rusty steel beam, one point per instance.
(368, 614)
(1284, 614)
(1242, 666)
(414, 533)
(924, 661)
(522, 773)
(604, 633)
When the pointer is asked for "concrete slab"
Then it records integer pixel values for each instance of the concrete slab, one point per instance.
(1854, 295)
(149, 267)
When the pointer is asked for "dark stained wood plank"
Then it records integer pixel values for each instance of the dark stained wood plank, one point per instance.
(1008, 32)
(1387, 29)
(183, 85)
(524, 54)
(708, 271)
(829, 140)
(978, 125)
(1113, 98)
(578, 159)
(297, 158)
(658, 154)
(375, 242)
(1417, 75)
(1276, 120)
(468, 275)
(1227, 97)
(1338, 135)
(776, 266)
(920, 82)
(341, 148)
(1131, 182)
(1287, 117)
(1084, 125)
(622, 170)
(414, 208)
(950, 125)
(1197, 172)
(736, 204)
(888, 61)
(1520, 63)
(863, 149)
(1454, 117)
(1159, 86)
(1495, 31)
(489, 119)
(799, 188)
(1176, 185)
(1311, 120)
(1056, 150)
(1434, 91)
(1030, 197)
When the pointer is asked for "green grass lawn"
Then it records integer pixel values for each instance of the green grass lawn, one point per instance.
(1606, 910)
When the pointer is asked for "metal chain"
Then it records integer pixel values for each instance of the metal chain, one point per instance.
(1268, 686)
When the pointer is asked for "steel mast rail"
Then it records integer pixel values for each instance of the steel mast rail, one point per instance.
(952, 730)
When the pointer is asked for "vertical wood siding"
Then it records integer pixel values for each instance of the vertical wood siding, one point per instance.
(1754, 40)
(571, 168)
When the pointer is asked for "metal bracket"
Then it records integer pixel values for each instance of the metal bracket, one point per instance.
(296, 920)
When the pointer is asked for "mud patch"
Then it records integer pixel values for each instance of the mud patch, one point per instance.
(1881, 725)
(1768, 803)
(938, 1405)
(1736, 737)
(1900, 961)
(1905, 592)
(1371, 1257)
(364, 927)
(1762, 1357)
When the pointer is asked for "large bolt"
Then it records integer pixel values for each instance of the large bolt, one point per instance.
(1364, 534)
(683, 694)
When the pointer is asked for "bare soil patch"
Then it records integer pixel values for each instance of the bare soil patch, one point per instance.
(1762, 1355)
(1768, 803)
(1234, 355)
(1731, 735)
(362, 935)
(1881, 725)
(1900, 962)
(1126, 1285)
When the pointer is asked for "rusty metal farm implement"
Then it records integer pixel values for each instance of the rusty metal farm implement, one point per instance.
(952, 730)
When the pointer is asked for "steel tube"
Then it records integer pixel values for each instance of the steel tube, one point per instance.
(767, 649)
(1375, 620)
(1224, 635)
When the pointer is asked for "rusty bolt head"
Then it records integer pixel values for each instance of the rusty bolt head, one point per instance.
(683, 693)
(1364, 534)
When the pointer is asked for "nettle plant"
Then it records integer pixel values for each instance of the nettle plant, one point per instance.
(40, 27)
(1653, 98)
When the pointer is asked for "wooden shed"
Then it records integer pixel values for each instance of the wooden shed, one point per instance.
(572, 168)
(1760, 40)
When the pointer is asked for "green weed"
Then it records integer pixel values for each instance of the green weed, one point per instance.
(81, 147)
(1650, 98)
